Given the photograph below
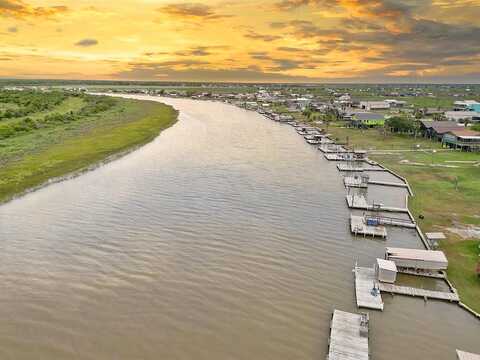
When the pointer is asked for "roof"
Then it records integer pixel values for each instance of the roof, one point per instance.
(463, 355)
(368, 116)
(416, 254)
(387, 265)
(465, 133)
(440, 127)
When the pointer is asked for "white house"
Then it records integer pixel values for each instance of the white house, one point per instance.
(374, 105)
(460, 116)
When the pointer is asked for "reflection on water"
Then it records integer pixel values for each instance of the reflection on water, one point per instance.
(225, 238)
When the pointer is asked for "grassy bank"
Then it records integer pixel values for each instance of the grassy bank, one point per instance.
(73, 134)
(446, 185)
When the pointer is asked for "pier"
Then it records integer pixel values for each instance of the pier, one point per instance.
(366, 289)
(348, 167)
(360, 202)
(359, 226)
(356, 181)
(426, 294)
(348, 336)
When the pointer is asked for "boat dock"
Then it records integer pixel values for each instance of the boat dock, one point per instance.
(348, 336)
(348, 167)
(366, 289)
(345, 156)
(426, 294)
(332, 148)
(360, 202)
(359, 226)
(355, 181)
(387, 183)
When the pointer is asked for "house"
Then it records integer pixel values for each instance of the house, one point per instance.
(464, 139)
(374, 105)
(396, 103)
(417, 259)
(436, 129)
(467, 105)
(367, 119)
(386, 271)
(462, 116)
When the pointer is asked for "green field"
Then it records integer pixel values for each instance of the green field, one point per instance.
(71, 135)
(446, 185)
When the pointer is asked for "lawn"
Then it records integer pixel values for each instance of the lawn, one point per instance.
(30, 159)
(446, 185)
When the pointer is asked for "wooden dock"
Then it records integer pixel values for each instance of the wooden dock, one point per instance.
(348, 336)
(365, 282)
(346, 156)
(350, 168)
(354, 181)
(359, 226)
(388, 183)
(426, 294)
(332, 149)
(359, 202)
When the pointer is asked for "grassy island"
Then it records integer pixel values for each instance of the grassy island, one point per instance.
(45, 135)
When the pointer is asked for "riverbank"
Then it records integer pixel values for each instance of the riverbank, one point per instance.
(77, 140)
(445, 185)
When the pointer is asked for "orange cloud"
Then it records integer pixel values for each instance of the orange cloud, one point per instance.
(20, 9)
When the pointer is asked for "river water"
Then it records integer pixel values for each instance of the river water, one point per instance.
(224, 238)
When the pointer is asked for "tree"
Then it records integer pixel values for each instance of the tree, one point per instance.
(400, 124)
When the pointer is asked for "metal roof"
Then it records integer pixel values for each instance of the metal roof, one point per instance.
(416, 254)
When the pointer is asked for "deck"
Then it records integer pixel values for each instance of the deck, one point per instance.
(360, 202)
(426, 294)
(358, 226)
(352, 181)
(348, 336)
(364, 283)
(348, 167)
(342, 157)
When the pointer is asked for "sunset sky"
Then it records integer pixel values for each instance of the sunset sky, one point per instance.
(242, 40)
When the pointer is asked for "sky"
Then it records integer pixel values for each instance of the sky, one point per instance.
(242, 40)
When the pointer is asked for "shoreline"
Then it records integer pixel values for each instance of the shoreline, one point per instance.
(95, 164)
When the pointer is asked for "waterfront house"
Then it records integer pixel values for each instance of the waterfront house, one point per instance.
(367, 119)
(417, 259)
(436, 129)
(463, 139)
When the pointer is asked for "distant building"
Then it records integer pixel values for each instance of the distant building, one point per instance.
(463, 139)
(467, 105)
(374, 105)
(461, 116)
(396, 103)
(367, 119)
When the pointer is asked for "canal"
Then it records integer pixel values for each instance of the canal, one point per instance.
(225, 238)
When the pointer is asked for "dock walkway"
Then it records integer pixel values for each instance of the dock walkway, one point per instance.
(359, 202)
(426, 294)
(348, 336)
(348, 167)
(364, 283)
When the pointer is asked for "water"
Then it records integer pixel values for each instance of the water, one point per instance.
(225, 238)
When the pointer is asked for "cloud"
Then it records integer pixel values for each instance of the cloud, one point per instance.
(256, 36)
(244, 74)
(87, 42)
(195, 11)
(20, 9)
